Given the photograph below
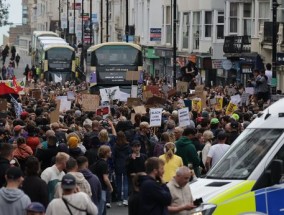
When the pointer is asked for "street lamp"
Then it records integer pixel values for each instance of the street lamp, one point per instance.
(275, 5)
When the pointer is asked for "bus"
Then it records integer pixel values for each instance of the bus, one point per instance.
(57, 62)
(108, 63)
(35, 38)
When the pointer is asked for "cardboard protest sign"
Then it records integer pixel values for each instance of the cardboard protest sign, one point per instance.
(182, 86)
(132, 75)
(199, 89)
(36, 93)
(90, 102)
(111, 93)
(219, 103)
(156, 100)
(245, 98)
(123, 96)
(140, 109)
(134, 90)
(103, 111)
(183, 117)
(3, 104)
(231, 108)
(196, 105)
(54, 115)
(155, 117)
(147, 95)
(236, 99)
(155, 90)
(171, 93)
(64, 103)
(249, 90)
(132, 102)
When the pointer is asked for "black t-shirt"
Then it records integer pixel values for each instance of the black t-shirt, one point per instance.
(100, 168)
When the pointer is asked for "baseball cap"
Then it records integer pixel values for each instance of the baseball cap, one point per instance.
(68, 182)
(234, 124)
(35, 207)
(214, 121)
(235, 116)
(17, 128)
(14, 173)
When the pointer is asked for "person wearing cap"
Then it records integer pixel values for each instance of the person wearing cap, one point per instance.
(17, 133)
(214, 126)
(72, 202)
(217, 151)
(35, 208)
(13, 201)
(143, 135)
(234, 132)
(52, 175)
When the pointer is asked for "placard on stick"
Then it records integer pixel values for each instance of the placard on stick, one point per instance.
(132, 102)
(90, 102)
(140, 109)
(182, 86)
(132, 75)
(54, 115)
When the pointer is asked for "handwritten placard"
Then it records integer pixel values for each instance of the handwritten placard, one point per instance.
(156, 117)
(183, 117)
(90, 102)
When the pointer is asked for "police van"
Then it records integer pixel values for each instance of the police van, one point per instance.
(247, 178)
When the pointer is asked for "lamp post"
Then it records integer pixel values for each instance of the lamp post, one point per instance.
(275, 5)
(91, 23)
(74, 19)
(59, 15)
(82, 25)
(107, 14)
(126, 22)
(174, 42)
(102, 8)
(67, 29)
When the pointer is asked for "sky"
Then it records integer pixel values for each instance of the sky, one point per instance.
(15, 16)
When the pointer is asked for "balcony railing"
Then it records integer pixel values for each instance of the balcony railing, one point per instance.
(237, 44)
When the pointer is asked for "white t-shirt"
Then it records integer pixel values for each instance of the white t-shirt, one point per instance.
(268, 74)
(217, 151)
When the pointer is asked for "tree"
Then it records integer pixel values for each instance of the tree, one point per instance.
(4, 13)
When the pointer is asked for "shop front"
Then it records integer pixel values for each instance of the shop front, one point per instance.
(151, 61)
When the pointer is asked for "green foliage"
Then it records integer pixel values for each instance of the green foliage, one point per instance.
(4, 13)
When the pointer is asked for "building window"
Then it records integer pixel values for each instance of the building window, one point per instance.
(208, 24)
(185, 30)
(168, 25)
(247, 18)
(220, 25)
(234, 17)
(264, 8)
(196, 29)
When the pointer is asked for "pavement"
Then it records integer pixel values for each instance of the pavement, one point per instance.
(117, 210)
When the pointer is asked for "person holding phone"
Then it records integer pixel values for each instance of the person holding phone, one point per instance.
(154, 196)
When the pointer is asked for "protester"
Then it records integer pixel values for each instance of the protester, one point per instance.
(154, 195)
(182, 200)
(172, 161)
(217, 151)
(17, 59)
(33, 185)
(72, 202)
(6, 155)
(13, 200)
(35, 208)
(52, 175)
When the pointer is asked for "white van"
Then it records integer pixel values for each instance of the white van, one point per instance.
(253, 163)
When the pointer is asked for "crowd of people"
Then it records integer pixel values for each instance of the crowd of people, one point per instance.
(7, 72)
(84, 162)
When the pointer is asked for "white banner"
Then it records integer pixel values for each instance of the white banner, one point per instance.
(134, 89)
(65, 105)
(183, 117)
(156, 117)
(111, 93)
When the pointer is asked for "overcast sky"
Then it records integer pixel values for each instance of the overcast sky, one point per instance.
(15, 16)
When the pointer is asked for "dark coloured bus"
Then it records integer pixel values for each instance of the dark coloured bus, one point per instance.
(108, 63)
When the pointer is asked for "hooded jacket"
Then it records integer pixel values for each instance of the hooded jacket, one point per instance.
(187, 151)
(81, 183)
(95, 184)
(154, 197)
(13, 201)
(120, 155)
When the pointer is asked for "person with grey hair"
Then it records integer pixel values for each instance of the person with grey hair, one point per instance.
(182, 200)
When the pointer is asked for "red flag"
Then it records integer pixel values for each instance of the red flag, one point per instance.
(4, 89)
(16, 86)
